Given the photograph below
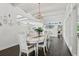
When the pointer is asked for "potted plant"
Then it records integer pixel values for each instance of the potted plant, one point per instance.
(39, 30)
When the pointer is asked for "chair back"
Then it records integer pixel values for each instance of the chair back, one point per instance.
(45, 37)
(22, 41)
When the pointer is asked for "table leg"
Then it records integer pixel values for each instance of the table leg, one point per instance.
(37, 49)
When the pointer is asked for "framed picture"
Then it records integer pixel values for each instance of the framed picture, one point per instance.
(0, 20)
(10, 21)
(5, 20)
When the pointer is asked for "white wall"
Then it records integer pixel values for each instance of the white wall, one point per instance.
(78, 31)
(8, 33)
(69, 27)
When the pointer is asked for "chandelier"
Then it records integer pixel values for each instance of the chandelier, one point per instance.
(39, 15)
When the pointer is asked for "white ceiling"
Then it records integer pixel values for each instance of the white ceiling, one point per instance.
(47, 9)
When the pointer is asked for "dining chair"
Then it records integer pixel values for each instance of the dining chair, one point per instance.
(44, 43)
(48, 38)
(24, 46)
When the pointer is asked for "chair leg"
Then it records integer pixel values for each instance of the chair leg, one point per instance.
(48, 44)
(35, 53)
(46, 48)
(27, 54)
(19, 53)
(44, 51)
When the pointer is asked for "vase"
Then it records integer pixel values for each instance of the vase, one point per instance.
(39, 34)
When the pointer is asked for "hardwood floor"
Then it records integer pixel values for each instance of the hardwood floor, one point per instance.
(57, 47)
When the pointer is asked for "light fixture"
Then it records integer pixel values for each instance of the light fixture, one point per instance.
(39, 15)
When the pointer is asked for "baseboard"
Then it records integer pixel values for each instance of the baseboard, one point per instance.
(69, 48)
(6, 47)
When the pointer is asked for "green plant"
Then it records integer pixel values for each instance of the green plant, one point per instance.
(39, 30)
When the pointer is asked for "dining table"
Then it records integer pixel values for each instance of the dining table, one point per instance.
(36, 40)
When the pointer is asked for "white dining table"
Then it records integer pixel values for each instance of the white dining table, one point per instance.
(36, 40)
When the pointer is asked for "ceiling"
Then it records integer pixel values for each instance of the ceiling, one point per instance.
(47, 9)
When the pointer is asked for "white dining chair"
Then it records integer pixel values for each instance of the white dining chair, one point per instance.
(24, 47)
(48, 38)
(44, 43)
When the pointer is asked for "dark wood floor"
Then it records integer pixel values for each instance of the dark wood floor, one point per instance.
(57, 47)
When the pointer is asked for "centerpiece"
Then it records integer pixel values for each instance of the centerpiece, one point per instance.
(39, 30)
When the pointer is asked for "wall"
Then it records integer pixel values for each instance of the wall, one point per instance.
(69, 27)
(78, 31)
(8, 32)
